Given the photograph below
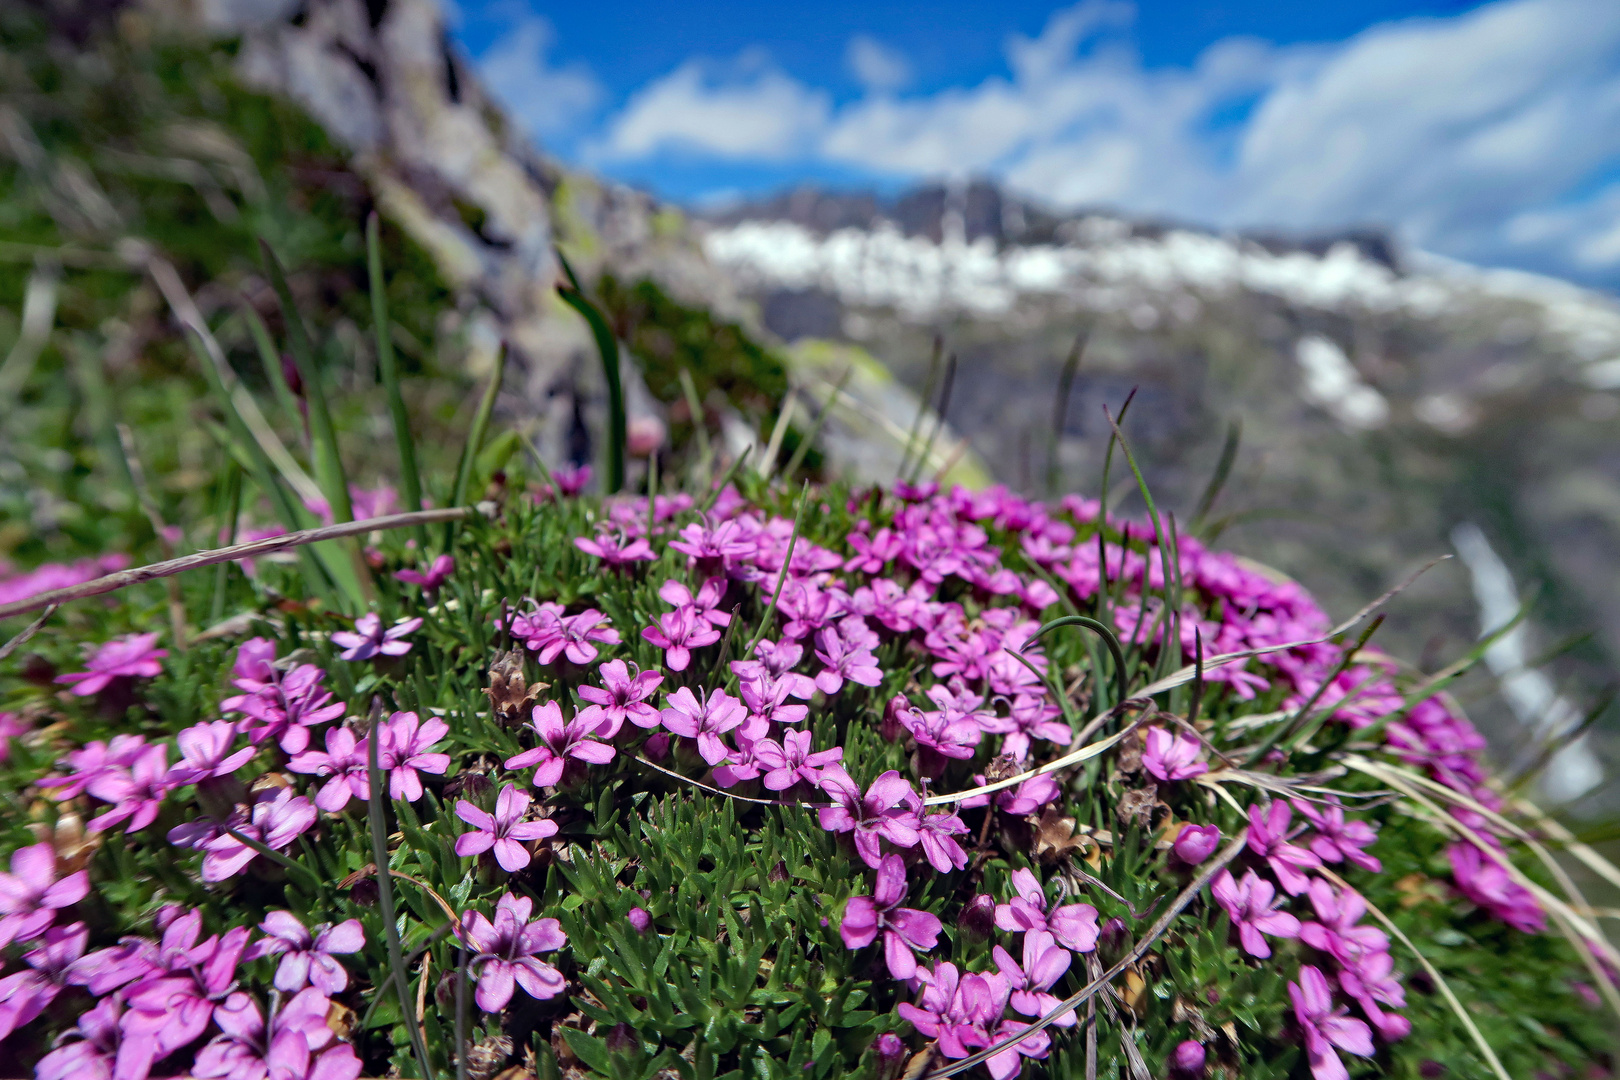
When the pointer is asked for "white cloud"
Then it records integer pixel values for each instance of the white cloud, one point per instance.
(1470, 135)
(551, 100)
(875, 66)
(745, 109)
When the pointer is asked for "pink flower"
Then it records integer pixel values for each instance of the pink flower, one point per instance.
(1268, 832)
(403, 749)
(507, 953)
(725, 547)
(679, 632)
(1074, 926)
(297, 1044)
(136, 793)
(560, 741)
(1338, 840)
(1486, 884)
(938, 833)
(1044, 964)
(945, 733)
(130, 656)
(1170, 757)
(571, 480)
(346, 761)
(307, 956)
(205, 753)
(705, 719)
(1252, 907)
(275, 821)
(622, 697)
(1326, 1028)
(1195, 843)
(187, 981)
(791, 761)
(872, 553)
(25, 994)
(888, 811)
(369, 639)
(705, 604)
(903, 929)
(92, 1053)
(282, 707)
(1371, 981)
(437, 573)
(31, 895)
(1337, 934)
(11, 726)
(504, 831)
(846, 652)
(615, 548)
(1031, 717)
(766, 696)
(547, 631)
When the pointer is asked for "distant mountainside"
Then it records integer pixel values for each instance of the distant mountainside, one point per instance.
(1386, 397)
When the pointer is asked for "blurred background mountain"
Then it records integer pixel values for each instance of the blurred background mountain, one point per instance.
(1393, 405)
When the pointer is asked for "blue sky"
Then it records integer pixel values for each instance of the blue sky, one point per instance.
(1488, 132)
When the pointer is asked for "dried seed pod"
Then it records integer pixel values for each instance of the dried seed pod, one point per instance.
(510, 696)
(488, 1055)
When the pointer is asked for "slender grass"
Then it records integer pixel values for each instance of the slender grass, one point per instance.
(822, 416)
(700, 425)
(475, 440)
(409, 479)
(1060, 410)
(922, 405)
(607, 347)
(385, 890)
(270, 359)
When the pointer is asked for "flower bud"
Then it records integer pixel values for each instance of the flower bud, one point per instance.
(1196, 843)
(890, 1053)
(978, 918)
(1188, 1058)
(639, 919)
(892, 729)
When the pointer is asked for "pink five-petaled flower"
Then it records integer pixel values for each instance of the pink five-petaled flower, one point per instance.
(1074, 926)
(888, 811)
(369, 639)
(31, 895)
(504, 830)
(282, 706)
(704, 717)
(403, 750)
(904, 929)
(1326, 1028)
(573, 636)
(507, 953)
(172, 1005)
(25, 994)
(205, 752)
(846, 652)
(1337, 934)
(136, 793)
(1338, 840)
(92, 1053)
(559, 741)
(307, 956)
(705, 603)
(1044, 964)
(1485, 882)
(623, 696)
(1195, 843)
(790, 761)
(131, 655)
(1268, 838)
(1251, 904)
(1168, 756)
(571, 480)
(437, 573)
(615, 548)
(297, 1044)
(939, 832)
(345, 761)
(679, 632)
(274, 821)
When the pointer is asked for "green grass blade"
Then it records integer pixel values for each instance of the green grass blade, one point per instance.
(608, 348)
(803, 448)
(385, 890)
(475, 440)
(1223, 470)
(270, 357)
(922, 405)
(1060, 411)
(700, 427)
(1101, 631)
(410, 480)
(323, 437)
